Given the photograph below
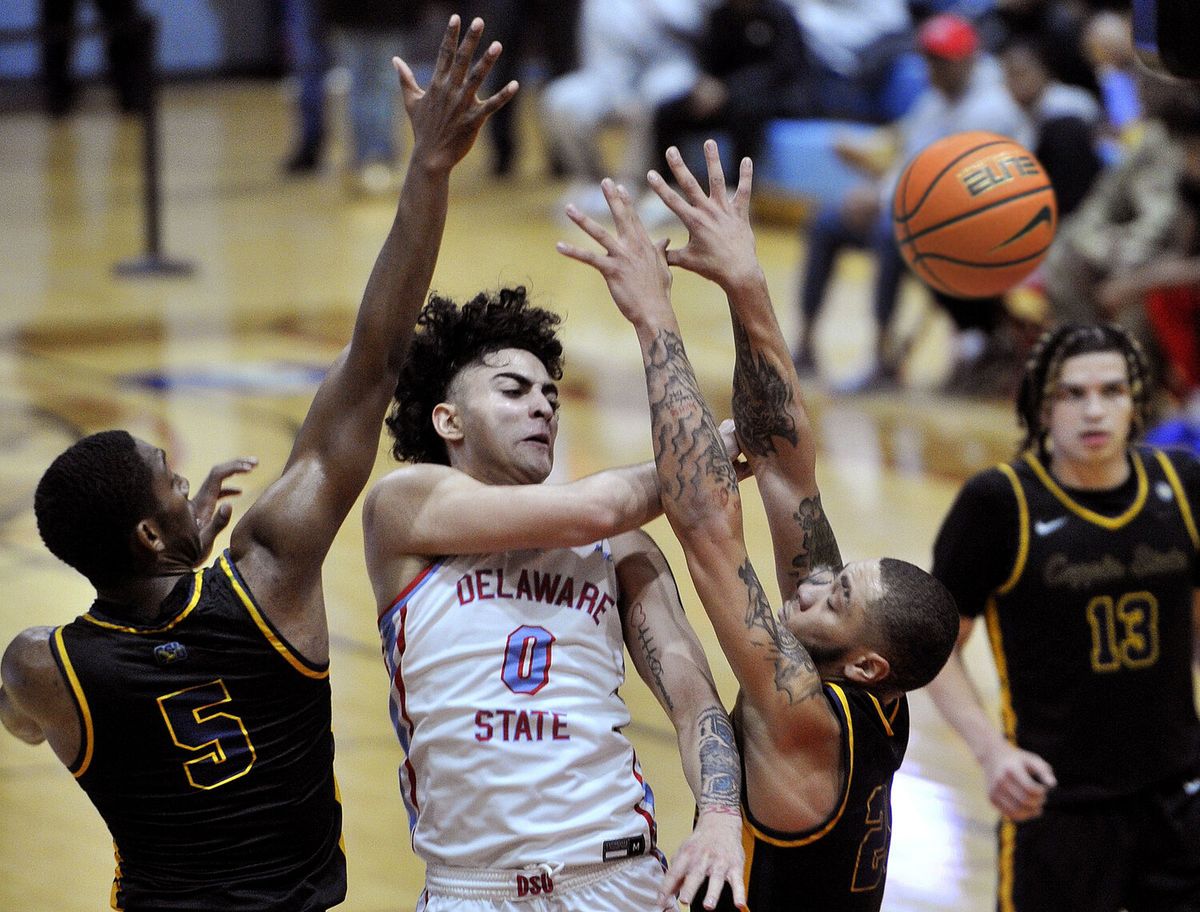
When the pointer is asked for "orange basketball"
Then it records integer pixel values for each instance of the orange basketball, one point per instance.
(973, 214)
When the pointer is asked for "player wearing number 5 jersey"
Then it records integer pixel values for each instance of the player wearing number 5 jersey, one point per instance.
(194, 707)
(1081, 555)
(505, 607)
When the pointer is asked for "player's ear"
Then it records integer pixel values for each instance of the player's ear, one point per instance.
(447, 421)
(866, 668)
(147, 537)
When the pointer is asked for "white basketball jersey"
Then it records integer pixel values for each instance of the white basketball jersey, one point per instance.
(505, 670)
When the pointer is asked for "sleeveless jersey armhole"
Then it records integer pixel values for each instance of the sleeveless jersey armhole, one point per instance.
(1185, 508)
(1018, 567)
(83, 758)
(301, 664)
(841, 706)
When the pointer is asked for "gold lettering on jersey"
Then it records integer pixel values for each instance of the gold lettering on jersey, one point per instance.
(987, 174)
(535, 586)
(1124, 631)
(1060, 571)
(1146, 563)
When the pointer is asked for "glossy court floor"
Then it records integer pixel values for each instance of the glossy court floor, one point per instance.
(224, 363)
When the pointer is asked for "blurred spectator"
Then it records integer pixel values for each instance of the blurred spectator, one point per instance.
(304, 41)
(634, 55)
(1169, 282)
(366, 35)
(966, 93)
(751, 59)
(1053, 24)
(1065, 121)
(549, 27)
(1109, 45)
(853, 46)
(1124, 238)
(125, 42)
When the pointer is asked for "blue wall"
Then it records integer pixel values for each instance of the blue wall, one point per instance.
(195, 36)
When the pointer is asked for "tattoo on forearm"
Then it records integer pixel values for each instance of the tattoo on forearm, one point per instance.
(762, 399)
(817, 540)
(795, 673)
(720, 768)
(645, 640)
(692, 461)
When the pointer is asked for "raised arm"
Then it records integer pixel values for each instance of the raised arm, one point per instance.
(699, 487)
(668, 655)
(293, 524)
(768, 407)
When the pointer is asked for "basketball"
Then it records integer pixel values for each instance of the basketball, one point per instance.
(973, 214)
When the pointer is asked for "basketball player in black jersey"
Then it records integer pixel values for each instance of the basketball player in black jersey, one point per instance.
(193, 706)
(1081, 556)
(822, 720)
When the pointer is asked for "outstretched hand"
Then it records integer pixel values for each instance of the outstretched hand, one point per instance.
(633, 265)
(712, 852)
(211, 515)
(448, 115)
(720, 243)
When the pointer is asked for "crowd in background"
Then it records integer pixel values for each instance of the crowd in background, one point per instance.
(1060, 76)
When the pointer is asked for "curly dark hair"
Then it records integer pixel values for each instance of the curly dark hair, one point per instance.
(1045, 364)
(89, 501)
(450, 337)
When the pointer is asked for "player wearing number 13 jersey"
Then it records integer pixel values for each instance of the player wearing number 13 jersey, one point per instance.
(505, 606)
(1081, 556)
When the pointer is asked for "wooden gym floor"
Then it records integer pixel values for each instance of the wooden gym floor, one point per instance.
(224, 363)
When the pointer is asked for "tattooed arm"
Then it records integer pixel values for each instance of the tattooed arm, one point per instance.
(670, 659)
(699, 488)
(772, 424)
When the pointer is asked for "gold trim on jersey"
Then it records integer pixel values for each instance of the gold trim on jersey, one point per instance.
(885, 719)
(996, 640)
(116, 884)
(833, 821)
(337, 796)
(1022, 529)
(1004, 880)
(1105, 522)
(281, 647)
(1185, 508)
(88, 735)
(192, 602)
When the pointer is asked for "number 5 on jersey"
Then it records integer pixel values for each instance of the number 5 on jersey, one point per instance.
(219, 739)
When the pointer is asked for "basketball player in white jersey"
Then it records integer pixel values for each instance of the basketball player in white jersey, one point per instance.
(505, 607)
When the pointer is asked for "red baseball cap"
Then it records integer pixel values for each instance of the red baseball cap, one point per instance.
(948, 36)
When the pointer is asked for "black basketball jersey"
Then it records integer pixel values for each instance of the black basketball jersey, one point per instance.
(207, 748)
(1092, 630)
(840, 865)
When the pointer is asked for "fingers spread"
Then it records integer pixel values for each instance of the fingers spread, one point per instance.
(716, 174)
(692, 191)
(449, 45)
